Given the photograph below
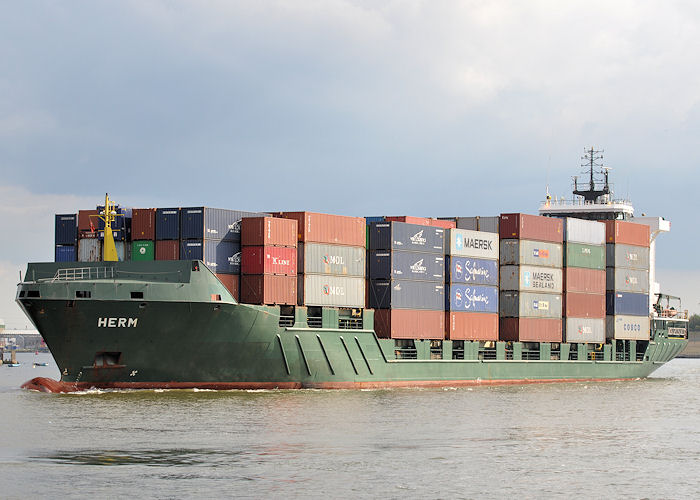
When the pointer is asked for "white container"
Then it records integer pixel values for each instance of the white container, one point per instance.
(529, 305)
(587, 330)
(337, 260)
(620, 279)
(627, 256)
(531, 253)
(468, 243)
(335, 291)
(531, 279)
(624, 327)
(590, 232)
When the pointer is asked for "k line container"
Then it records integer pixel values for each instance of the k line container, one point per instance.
(476, 244)
(471, 298)
(326, 228)
(167, 250)
(627, 256)
(590, 232)
(531, 279)
(530, 305)
(531, 227)
(409, 324)
(402, 236)
(623, 327)
(66, 229)
(531, 253)
(268, 289)
(584, 330)
(65, 253)
(406, 294)
(332, 291)
(85, 217)
(212, 223)
(626, 233)
(628, 304)
(619, 279)
(223, 257)
(89, 250)
(583, 305)
(530, 330)
(269, 260)
(584, 255)
(385, 264)
(143, 224)
(584, 280)
(471, 271)
(261, 231)
(232, 282)
(338, 260)
(167, 224)
(143, 250)
(471, 326)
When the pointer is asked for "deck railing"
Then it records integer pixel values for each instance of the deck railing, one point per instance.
(84, 273)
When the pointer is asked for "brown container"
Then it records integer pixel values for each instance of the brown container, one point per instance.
(232, 282)
(409, 324)
(627, 233)
(531, 227)
(84, 220)
(462, 325)
(143, 224)
(423, 221)
(272, 231)
(325, 228)
(577, 279)
(268, 289)
(583, 305)
(167, 250)
(530, 330)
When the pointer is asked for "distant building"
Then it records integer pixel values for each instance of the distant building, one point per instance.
(2, 325)
(21, 339)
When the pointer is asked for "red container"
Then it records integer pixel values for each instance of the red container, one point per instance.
(530, 330)
(627, 233)
(143, 224)
(269, 260)
(531, 227)
(167, 250)
(423, 221)
(444, 223)
(232, 282)
(583, 305)
(581, 280)
(324, 228)
(260, 231)
(409, 324)
(268, 289)
(471, 326)
(84, 220)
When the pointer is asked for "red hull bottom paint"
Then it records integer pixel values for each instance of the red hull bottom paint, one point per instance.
(43, 384)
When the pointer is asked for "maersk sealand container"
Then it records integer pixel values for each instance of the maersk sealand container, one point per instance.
(212, 223)
(471, 271)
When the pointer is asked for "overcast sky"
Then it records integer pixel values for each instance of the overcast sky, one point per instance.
(358, 108)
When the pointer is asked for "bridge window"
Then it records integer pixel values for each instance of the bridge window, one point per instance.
(136, 295)
(83, 294)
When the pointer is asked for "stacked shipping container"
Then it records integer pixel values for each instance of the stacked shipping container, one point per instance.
(167, 234)
(65, 237)
(143, 234)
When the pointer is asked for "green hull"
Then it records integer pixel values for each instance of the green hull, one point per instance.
(165, 325)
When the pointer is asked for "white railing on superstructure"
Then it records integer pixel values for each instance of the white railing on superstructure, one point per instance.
(84, 273)
(671, 314)
(580, 202)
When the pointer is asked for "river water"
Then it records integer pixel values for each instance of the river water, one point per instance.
(633, 439)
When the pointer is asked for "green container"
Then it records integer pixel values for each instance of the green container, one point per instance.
(586, 256)
(143, 250)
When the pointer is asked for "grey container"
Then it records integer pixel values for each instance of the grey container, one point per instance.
(590, 232)
(467, 243)
(531, 253)
(625, 327)
(531, 279)
(212, 223)
(89, 250)
(471, 223)
(628, 256)
(620, 279)
(530, 305)
(384, 264)
(406, 294)
(336, 260)
(490, 224)
(584, 330)
(403, 236)
(332, 291)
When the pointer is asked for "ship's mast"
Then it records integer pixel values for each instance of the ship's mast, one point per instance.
(592, 159)
(109, 215)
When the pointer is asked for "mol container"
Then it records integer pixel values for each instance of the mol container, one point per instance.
(268, 231)
(268, 289)
(269, 260)
(583, 305)
(212, 223)
(471, 271)
(89, 250)
(589, 232)
(530, 329)
(531, 253)
(471, 326)
(619, 279)
(143, 250)
(167, 224)
(471, 298)
(338, 260)
(584, 330)
(222, 257)
(143, 224)
(627, 233)
(465, 243)
(406, 294)
(625, 303)
(584, 280)
(332, 291)
(167, 250)
(326, 228)
(625, 327)
(628, 256)
(531, 279)
(530, 305)
(232, 282)
(409, 324)
(407, 265)
(531, 227)
(584, 255)
(66, 229)
(402, 236)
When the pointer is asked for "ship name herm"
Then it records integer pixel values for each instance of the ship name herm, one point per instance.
(117, 322)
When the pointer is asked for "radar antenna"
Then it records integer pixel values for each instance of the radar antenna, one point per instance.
(592, 161)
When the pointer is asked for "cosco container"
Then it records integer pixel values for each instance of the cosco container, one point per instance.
(402, 236)
(584, 255)
(530, 329)
(471, 325)
(623, 327)
(212, 223)
(584, 280)
(65, 253)
(530, 305)
(385, 264)
(583, 305)
(531, 227)
(260, 231)
(167, 250)
(332, 291)
(531, 253)
(465, 243)
(590, 232)
(66, 229)
(143, 224)
(232, 282)
(471, 298)
(631, 304)
(220, 256)
(143, 250)
(406, 294)
(269, 260)
(472, 271)
(338, 260)
(584, 330)
(268, 289)
(628, 256)
(531, 279)
(619, 279)
(627, 233)
(89, 250)
(167, 224)
(409, 324)
(326, 228)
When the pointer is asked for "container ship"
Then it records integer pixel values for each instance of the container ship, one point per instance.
(211, 298)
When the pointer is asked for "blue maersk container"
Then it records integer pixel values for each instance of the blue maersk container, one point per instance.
(66, 253)
(470, 270)
(626, 303)
(403, 236)
(406, 294)
(167, 223)
(471, 298)
(385, 264)
(222, 257)
(66, 229)
(212, 223)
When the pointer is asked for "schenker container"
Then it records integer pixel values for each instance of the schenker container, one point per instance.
(402, 236)
(584, 330)
(532, 253)
(260, 231)
(584, 255)
(332, 291)
(530, 329)
(619, 279)
(269, 260)
(167, 224)
(472, 271)
(268, 289)
(465, 243)
(338, 260)
(589, 232)
(624, 327)
(530, 305)
(471, 326)
(89, 250)
(627, 233)
(212, 223)
(326, 228)
(218, 255)
(630, 304)
(628, 256)
(531, 227)
(406, 294)
(384, 264)
(531, 279)
(143, 224)
(584, 280)
(66, 229)
(583, 305)
(143, 250)
(409, 324)
(471, 298)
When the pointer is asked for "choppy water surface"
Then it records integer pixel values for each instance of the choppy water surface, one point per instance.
(612, 439)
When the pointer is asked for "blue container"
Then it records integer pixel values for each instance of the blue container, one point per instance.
(119, 222)
(406, 294)
(631, 304)
(222, 257)
(212, 223)
(471, 298)
(385, 264)
(374, 218)
(66, 253)
(471, 271)
(167, 223)
(403, 236)
(66, 229)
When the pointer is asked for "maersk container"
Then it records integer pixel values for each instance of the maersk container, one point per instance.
(531, 279)
(269, 260)
(143, 224)
(625, 303)
(628, 256)
(222, 257)
(402, 236)
(466, 243)
(531, 227)
(530, 305)
(589, 232)
(265, 231)
(584, 255)
(332, 291)
(167, 223)
(627, 233)
(406, 294)
(327, 228)
(531, 253)
(399, 264)
(66, 229)
(530, 329)
(584, 330)
(471, 326)
(337, 260)
(577, 279)
(471, 271)
(471, 298)
(620, 279)
(623, 327)
(583, 305)
(89, 250)
(143, 250)
(409, 324)
(212, 223)
(65, 253)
